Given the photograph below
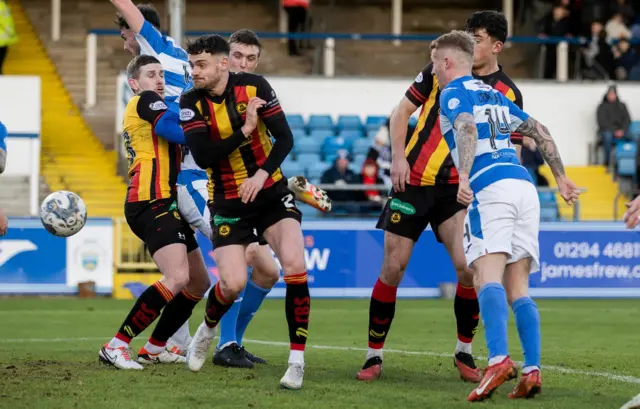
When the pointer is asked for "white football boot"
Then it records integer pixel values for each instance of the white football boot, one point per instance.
(292, 379)
(199, 348)
(118, 357)
(164, 357)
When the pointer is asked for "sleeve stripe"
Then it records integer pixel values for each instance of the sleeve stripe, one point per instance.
(272, 112)
(158, 118)
(416, 95)
(516, 135)
(190, 127)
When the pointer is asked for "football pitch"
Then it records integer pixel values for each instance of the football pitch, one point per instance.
(49, 359)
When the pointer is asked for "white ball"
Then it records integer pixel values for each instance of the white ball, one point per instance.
(63, 213)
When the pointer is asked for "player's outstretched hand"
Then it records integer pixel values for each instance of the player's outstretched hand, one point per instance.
(251, 186)
(568, 190)
(251, 121)
(400, 173)
(465, 194)
(4, 224)
(632, 215)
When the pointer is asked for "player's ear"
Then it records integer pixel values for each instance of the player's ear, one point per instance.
(497, 47)
(133, 84)
(224, 62)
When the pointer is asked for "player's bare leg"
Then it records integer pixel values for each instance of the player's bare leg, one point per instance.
(173, 264)
(397, 252)
(285, 238)
(233, 278)
(489, 271)
(265, 273)
(525, 310)
(465, 305)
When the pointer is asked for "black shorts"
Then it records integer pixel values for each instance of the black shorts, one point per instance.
(233, 222)
(157, 223)
(408, 213)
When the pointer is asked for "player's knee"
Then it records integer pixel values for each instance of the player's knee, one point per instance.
(392, 271)
(232, 286)
(514, 294)
(251, 254)
(177, 279)
(198, 285)
(293, 264)
(265, 276)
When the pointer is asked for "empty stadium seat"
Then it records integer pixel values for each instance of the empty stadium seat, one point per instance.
(295, 121)
(634, 130)
(308, 145)
(413, 121)
(371, 133)
(290, 168)
(320, 122)
(548, 214)
(351, 134)
(298, 133)
(307, 211)
(374, 122)
(627, 166)
(332, 145)
(349, 122)
(306, 159)
(321, 134)
(360, 146)
(358, 160)
(315, 171)
(546, 198)
(626, 150)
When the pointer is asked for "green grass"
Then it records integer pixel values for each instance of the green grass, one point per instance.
(585, 336)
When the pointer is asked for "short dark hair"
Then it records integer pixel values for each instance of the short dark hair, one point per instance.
(210, 43)
(133, 68)
(149, 13)
(247, 37)
(494, 22)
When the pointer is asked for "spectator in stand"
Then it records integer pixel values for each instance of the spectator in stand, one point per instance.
(613, 121)
(616, 28)
(297, 12)
(555, 24)
(380, 154)
(625, 10)
(340, 175)
(370, 176)
(625, 57)
(532, 160)
(8, 34)
(598, 55)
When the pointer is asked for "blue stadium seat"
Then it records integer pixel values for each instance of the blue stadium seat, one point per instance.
(358, 160)
(374, 122)
(321, 134)
(290, 168)
(320, 122)
(548, 214)
(634, 130)
(371, 133)
(306, 159)
(627, 167)
(626, 150)
(361, 146)
(295, 121)
(413, 121)
(547, 199)
(351, 134)
(332, 145)
(308, 145)
(315, 170)
(349, 122)
(298, 133)
(308, 212)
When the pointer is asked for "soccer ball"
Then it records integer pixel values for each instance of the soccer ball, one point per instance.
(63, 213)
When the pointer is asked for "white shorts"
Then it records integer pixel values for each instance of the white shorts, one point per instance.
(504, 218)
(192, 203)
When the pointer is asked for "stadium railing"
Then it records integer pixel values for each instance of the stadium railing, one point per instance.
(328, 54)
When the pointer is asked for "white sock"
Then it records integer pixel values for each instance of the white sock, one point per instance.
(528, 369)
(153, 349)
(211, 332)
(497, 359)
(463, 347)
(117, 343)
(296, 357)
(182, 335)
(223, 346)
(374, 352)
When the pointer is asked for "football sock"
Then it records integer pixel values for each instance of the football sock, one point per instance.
(528, 324)
(173, 317)
(229, 321)
(217, 306)
(297, 308)
(495, 313)
(382, 308)
(253, 297)
(467, 310)
(146, 309)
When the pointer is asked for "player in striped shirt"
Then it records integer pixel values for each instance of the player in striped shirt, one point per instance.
(503, 217)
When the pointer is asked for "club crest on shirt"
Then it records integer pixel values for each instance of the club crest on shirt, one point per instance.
(241, 107)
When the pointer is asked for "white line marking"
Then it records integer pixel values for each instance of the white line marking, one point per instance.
(560, 369)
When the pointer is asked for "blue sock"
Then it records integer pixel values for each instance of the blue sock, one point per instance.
(495, 313)
(528, 323)
(253, 297)
(228, 322)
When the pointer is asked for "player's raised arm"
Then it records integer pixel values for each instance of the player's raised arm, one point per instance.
(206, 152)
(276, 122)
(130, 13)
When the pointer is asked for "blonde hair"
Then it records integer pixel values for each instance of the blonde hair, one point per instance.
(456, 40)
